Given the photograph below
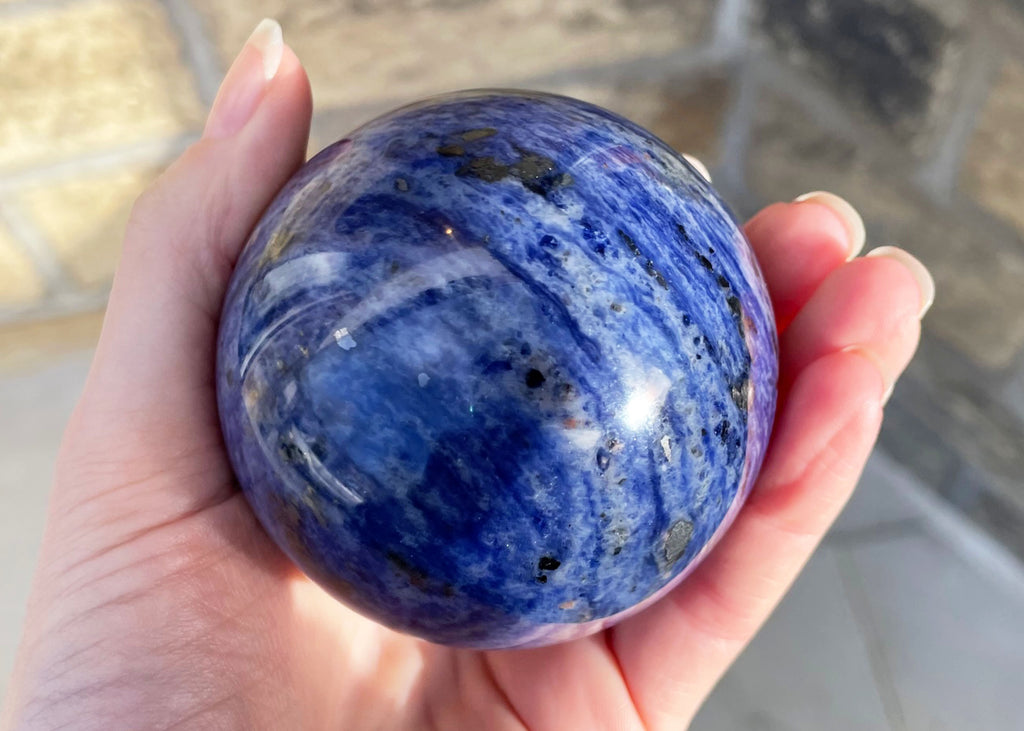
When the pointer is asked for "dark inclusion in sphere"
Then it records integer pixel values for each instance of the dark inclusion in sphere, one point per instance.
(497, 369)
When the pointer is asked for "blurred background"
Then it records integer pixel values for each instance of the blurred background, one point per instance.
(911, 615)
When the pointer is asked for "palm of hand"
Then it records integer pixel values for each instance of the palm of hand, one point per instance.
(202, 616)
(160, 602)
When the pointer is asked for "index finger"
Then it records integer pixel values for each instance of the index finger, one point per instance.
(798, 244)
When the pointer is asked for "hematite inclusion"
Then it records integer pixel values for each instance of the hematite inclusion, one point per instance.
(497, 369)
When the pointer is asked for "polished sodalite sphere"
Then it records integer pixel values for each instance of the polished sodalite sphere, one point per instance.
(497, 369)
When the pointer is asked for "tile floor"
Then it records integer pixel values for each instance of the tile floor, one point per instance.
(906, 619)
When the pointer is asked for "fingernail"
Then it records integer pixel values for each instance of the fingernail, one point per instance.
(924, 278)
(888, 393)
(269, 41)
(847, 214)
(246, 81)
(699, 166)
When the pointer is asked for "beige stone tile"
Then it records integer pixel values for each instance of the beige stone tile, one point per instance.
(20, 283)
(993, 171)
(808, 669)
(29, 345)
(84, 219)
(949, 637)
(895, 65)
(91, 75)
(685, 112)
(359, 52)
(978, 268)
(1007, 24)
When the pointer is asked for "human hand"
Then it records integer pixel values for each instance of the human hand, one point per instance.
(159, 601)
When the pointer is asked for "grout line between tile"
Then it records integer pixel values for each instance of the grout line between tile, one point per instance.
(674, 63)
(820, 103)
(61, 304)
(37, 247)
(29, 7)
(200, 54)
(948, 526)
(152, 152)
(734, 132)
(856, 597)
(681, 63)
(886, 531)
(938, 175)
(730, 25)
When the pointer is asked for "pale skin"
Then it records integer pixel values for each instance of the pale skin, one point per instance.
(159, 601)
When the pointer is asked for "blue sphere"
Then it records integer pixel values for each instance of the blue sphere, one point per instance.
(497, 369)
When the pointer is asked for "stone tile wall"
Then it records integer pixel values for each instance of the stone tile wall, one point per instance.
(913, 109)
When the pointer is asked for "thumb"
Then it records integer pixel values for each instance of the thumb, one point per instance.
(156, 352)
